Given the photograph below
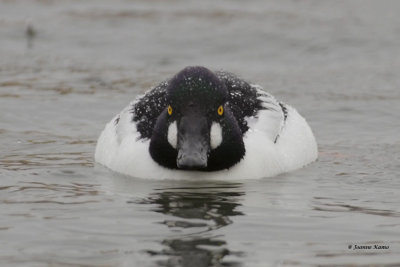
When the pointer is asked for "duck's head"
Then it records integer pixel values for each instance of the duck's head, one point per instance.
(197, 130)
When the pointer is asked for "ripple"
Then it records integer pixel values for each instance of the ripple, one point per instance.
(358, 209)
(30, 161)
(44, 193)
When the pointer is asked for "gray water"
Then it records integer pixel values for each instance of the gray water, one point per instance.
(67, 67)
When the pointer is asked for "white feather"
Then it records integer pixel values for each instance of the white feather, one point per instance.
(173, 134)
(215, 135)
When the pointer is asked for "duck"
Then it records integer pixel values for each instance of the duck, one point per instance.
(203, 124)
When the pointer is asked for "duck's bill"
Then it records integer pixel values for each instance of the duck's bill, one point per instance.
(193, 144)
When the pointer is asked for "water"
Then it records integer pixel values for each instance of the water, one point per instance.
(67, 67)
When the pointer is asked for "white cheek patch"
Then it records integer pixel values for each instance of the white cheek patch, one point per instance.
(215, 135)
(173, 134)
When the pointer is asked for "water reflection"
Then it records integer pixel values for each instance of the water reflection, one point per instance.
(194, 214)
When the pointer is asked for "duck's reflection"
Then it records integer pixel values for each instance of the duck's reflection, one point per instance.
(194, 213)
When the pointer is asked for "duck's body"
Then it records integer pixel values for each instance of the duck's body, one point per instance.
(207, 125)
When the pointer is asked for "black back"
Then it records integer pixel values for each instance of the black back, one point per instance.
(148, 108)
(242, 98)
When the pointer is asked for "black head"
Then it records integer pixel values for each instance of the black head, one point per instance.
(196, 130)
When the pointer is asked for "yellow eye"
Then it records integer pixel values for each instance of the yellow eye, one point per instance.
(220, 110)
(169, 110)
